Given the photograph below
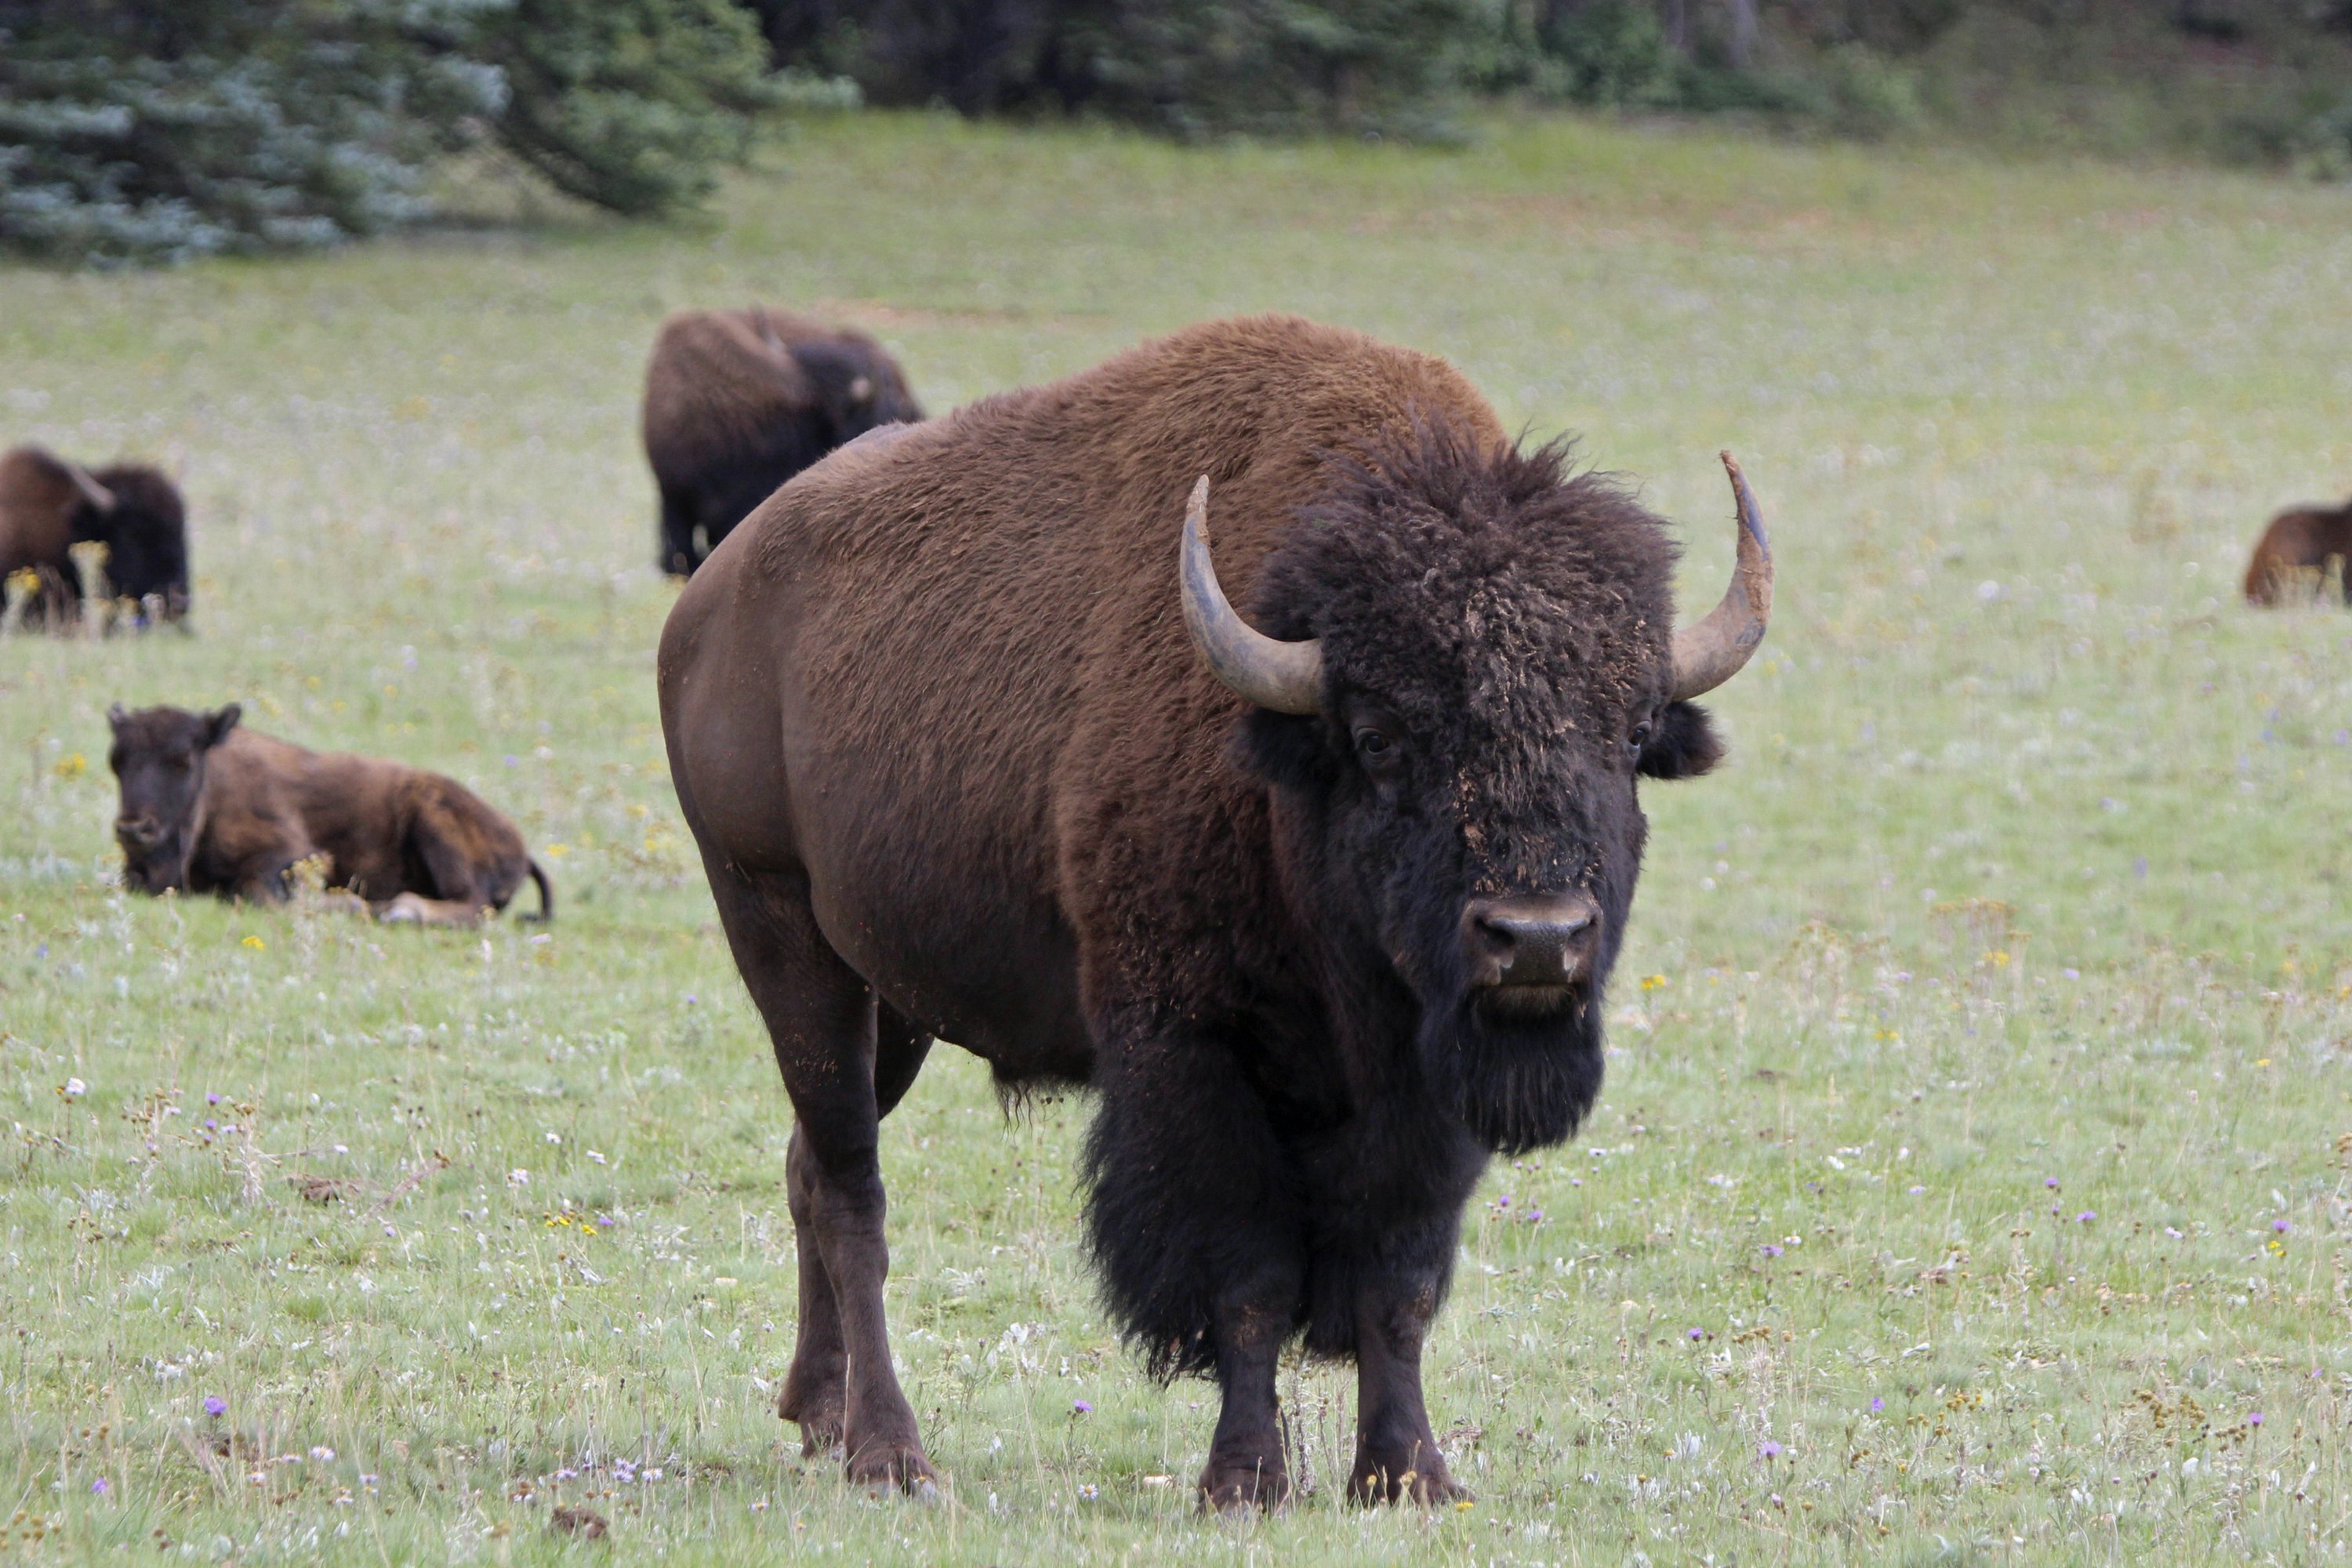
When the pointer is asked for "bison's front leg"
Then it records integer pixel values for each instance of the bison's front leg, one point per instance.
(1197, 1237)
(1247, 1467)
(1396, 1452)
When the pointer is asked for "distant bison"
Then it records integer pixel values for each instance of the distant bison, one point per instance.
(49, 504)
(212, 808)
(737, 402)
(2293, 558)
(1321, 892)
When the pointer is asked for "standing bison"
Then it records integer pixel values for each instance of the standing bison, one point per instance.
(2292, 558)
(737, 402)
(49, 504)
(1322, 900)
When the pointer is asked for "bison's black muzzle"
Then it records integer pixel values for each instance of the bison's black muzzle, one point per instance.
(1537, 945)
(136, 834)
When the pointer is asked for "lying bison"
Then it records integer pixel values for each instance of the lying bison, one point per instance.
(737, 402)
(2292, 557)
(49, 504)
(1324, 910)
(212, 808)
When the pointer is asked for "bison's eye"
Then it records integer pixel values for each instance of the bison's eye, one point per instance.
(1378, 749)
(1638, 739)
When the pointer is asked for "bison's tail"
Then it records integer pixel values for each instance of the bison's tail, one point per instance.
(546, 898)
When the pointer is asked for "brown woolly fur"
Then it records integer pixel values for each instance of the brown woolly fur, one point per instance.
(43, 515)
(2293, 558)
(957, 770)
(737, 402)
(210, 808)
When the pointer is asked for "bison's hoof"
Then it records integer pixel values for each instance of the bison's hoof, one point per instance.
(822, 1414)
(406, 910)
(882, 1465)
(1375, 1483)
(822, 1439)
(1233, 1486)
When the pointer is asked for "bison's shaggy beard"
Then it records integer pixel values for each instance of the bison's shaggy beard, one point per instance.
(1518, 1081)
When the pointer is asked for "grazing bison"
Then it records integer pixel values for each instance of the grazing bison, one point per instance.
(49, 504)
(1322, 901)
(737, 402)
(2292, 559)
(212, 808)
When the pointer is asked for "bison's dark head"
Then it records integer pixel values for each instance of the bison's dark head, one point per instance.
(143, 524)
(158, 757)
(1473, 663)
(860, 388)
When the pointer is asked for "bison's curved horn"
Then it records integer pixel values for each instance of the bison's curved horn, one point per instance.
(1710, 653)
(97, 494)
(1287, 676)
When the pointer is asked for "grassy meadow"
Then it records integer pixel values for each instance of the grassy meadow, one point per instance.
(1970, 1182)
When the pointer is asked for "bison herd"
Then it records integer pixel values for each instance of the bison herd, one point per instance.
(1283, 789)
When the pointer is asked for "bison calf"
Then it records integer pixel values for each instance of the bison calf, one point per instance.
(2296, 548)
(737, 402)
(212, 808)
(49, 504)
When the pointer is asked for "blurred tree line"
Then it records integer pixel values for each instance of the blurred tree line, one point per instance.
(1188, 66)
(140, 128)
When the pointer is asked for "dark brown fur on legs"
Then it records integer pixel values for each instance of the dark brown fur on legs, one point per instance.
(823, 1020)
(737, 402)
(1325, 920)
(48, 505)
(209, 806)
(2292, 560)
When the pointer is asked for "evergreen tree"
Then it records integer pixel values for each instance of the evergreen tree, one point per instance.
(177, 128)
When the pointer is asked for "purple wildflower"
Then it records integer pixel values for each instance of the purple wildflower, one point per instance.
(1917, 1191)
(1698, 1333)
(212, 1100)
(1877, 1403)
(99, 1488)
(2086, 1217)
(2051, 1181)
(1082, 1406)
(1770, 1450)
(2255, 1419)
(1772, 1249)
(2279, 1225)
(215, 1405)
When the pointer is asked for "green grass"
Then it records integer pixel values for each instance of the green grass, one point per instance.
(2029, 864)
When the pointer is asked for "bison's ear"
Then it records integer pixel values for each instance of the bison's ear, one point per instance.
(1683, 746)
(219, 725)
(115, 716)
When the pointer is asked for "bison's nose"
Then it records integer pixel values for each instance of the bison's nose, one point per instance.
(1535, 940)
(137, 829)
